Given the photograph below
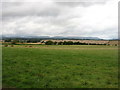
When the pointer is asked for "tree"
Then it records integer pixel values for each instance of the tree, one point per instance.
(8, 40)
(49, 42)
(76, 43)
(69, 43)
(64, 43)
(60, 43)
(14, 41)
(55, 43)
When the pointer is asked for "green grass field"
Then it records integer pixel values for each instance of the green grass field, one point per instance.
(55, 66)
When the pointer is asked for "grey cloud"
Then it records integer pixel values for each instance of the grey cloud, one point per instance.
(58, 18)
(83, 4)
(28, 9)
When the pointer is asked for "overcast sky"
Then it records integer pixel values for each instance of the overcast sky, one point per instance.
(98, 18)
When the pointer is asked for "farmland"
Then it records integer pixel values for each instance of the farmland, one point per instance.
(60, 66)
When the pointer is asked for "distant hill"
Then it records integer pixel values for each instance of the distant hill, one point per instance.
(71, 37)
(55, 37)
(47, 37)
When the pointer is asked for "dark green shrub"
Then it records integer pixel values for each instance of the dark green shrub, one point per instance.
(12, 45)
(5, 45)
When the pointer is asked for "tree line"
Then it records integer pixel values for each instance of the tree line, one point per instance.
(49, 42)
(69, 43)
(23, 41)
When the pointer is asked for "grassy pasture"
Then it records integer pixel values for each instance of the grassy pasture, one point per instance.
(60, 66)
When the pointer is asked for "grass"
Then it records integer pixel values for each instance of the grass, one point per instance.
(60, 66)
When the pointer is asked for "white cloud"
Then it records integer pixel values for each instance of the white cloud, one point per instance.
(50, 18)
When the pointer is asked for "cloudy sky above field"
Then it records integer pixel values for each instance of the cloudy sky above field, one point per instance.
(84, 18)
